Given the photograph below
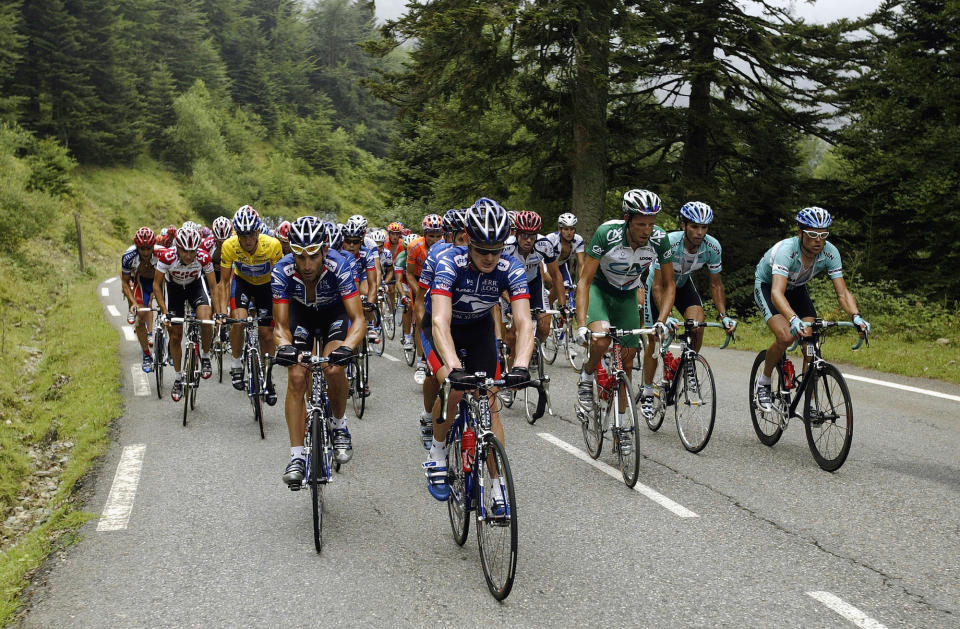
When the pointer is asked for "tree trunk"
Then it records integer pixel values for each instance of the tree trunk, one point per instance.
(588, 166)
(696, 173)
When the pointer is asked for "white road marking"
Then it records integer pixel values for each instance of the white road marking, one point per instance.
(391, 358)
(116, 513)
(846, 610)
(141, 383)
(113, 310)
(110, 280)
(104, 291)
(128, 333)
(655, 496)
(903, 387)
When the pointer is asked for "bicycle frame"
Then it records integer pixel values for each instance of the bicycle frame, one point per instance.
(687, 353)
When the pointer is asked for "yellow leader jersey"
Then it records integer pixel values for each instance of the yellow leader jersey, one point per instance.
(253, 268)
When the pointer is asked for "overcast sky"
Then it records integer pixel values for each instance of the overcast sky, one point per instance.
(819, 11)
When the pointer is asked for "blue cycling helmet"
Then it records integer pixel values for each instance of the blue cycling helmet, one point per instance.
(453, 221)
(334, 235)
(815, 217)
(246, 220)
(487, 222)
(307, 231)
(697, 212)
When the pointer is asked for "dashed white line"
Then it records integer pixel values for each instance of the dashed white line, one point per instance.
(116, 513)
(141, 384)
(903, 387)
(653, 495)
(110, 280)
(104, 291)
(128, 333)
(846, 610)
(113, 310)
(391, 358)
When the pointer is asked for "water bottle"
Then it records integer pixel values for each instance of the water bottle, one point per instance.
(468, 446)
(788, 374)
(669, 366)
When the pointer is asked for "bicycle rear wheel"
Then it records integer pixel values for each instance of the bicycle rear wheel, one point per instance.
(828, 417)
(317, 477)
(458, 504)
(254, 385)
(575, 353)
(496, 534)
(159, 358)
(768, 424)
(592, 423)
(695, 407)
(187, 381)
(626, 437)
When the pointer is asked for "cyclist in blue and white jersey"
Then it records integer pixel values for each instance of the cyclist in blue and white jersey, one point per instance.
(467, 284)
(315, 300)
(368, 263)
(780, 288)
(693, 249)
(567, 243)
(137, 268)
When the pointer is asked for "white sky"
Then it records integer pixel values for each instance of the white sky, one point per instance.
(819, 11)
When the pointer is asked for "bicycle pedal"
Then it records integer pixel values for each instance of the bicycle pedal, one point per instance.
(295, 486)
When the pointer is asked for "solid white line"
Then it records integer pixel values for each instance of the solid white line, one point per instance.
(116, 513)
(903, 387)
(846, 610)
(141, 384)
(110, 280)
(104, 291)
(113, 310)
(655, 496)
(128, 333)
(391, 358)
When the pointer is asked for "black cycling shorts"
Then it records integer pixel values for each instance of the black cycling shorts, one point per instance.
(177, 294)
(798, 298)
(309, 325)
(243, 294)
(476, 338)
(686, 296)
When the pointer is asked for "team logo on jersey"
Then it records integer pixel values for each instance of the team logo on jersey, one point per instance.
(503, 264)
(472, 302)
(615, 234)
(289, 270)
(460, 260)
(597, 249)
(336, 325)
(301, 332)
(489, 285)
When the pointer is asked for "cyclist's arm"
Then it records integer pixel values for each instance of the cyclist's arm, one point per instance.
(226, 279)
(281, 324)
(845, 297)
(358, 322)
(560, 295)
(547, 276)
(127, 289)
(523, 322)
(718, 293)
(375, 284)
(580, 259)
(590, 266)
(159, 281)
(211, 278)
(667, 293)
(420, 295)
(442, 308)
(642, 292)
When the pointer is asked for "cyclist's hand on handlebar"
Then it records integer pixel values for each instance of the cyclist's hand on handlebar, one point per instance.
(861, 323)
(516, 377)
(797, 327)
(729, 324)
(341, 356)
(287, 355)
(662, 330)
(460, 379)
(672, 324)
(582, 335)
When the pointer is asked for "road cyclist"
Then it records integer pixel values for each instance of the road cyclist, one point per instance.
(417, 252)
(137, 269)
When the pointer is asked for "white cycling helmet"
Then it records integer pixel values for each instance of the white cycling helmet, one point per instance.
(380, 236)
(567, 220)
(188, 239)
(409, 238)
(639, 201)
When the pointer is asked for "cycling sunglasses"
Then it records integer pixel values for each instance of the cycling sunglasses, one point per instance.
(352, 241)
(486, 252)
(310, 250)
(816, 235)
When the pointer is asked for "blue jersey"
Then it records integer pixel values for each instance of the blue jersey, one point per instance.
(685, 263)
(784, 259)
(430, 264)
(359, 268)
(370, 255)
(336, 282)
(130, 263)
(474, 293)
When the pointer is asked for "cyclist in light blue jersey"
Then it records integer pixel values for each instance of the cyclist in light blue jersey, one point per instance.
(780, 288)
(693, 249)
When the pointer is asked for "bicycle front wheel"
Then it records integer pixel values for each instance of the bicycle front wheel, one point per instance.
(254, 385)
(575, 353)
(187, 381)
(695, 407)
(381, 343)
(317, 477)
(359, 382)
(389, 323)
(531, 395)
(828, 417)
(592, 423)
(458, 504)
(767, 424)
(551, 344)
(159, 359)
(497, 528)
(626, 437)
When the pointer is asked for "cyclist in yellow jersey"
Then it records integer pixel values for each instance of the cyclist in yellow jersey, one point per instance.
(246, 261)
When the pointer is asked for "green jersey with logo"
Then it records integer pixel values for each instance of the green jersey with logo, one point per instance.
(621, 266)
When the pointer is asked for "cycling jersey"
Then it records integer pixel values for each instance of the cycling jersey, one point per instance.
(336, 282)
(416, 256)
(430, 265)
(386, 258)
(784, 258)
(209, 244)
(130, 264)
(576, 246)
(168, 263)
(359, 270)
(622, 266)
(685, 263)
(474, 293)
(254, 268)
(543, 251)
(369, 254)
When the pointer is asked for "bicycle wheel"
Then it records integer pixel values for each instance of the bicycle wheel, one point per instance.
(575, 353)
(381, 344)
(458, 505)
(506, 396)
(828, 417)
(551, 344)
(159, 359)
(626, 437)
(592, 423)
(660, 387)
(254, 383)
(187, 377)
(410, 355)
(497, 535)
(194, 378)
(317, 477)
(359, 378)
(389, 323)
(695, 407)
(768, 424)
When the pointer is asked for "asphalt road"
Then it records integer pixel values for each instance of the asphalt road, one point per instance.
(214, 539)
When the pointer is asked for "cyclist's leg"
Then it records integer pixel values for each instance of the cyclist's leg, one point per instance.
(624, 314)
(689, 304)
(539, 298)
(778, 324)
(650, 314)
(176, 296)
(200, 300)
(238, 310)
(598, 320)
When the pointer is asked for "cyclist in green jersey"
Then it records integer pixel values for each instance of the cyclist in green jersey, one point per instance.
(617, 257)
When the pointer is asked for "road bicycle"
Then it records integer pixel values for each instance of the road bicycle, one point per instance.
(220, 347)
(358, 378)
(471, 443)
(827, 407)
(376, 326)
(387, 314)
(409, 354)
(317, 442)
(686, 383)
(610, 386)
(563, 334)
(536, 369)
(252, 363)
(161, 350)
(191, 358)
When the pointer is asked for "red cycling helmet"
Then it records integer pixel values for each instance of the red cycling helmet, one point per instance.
(528, 222)
(283, 231)
(405, 231)
(145, 237)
